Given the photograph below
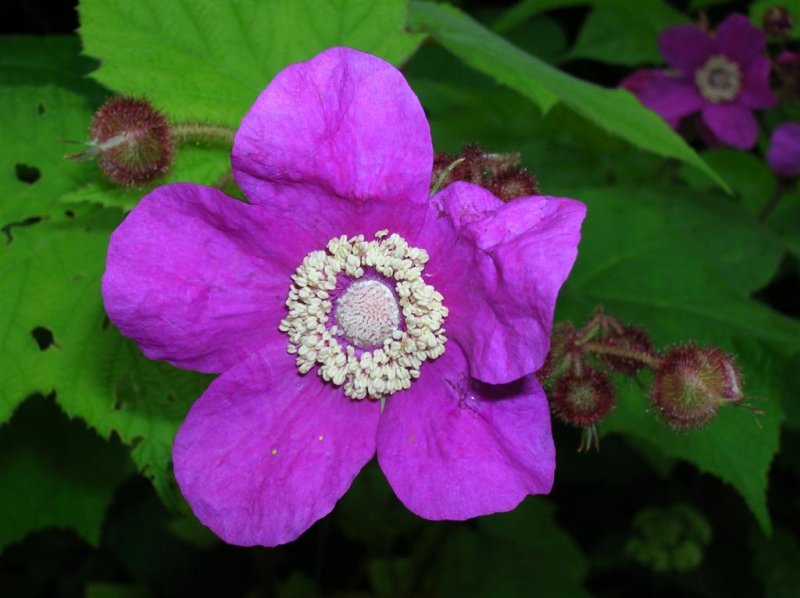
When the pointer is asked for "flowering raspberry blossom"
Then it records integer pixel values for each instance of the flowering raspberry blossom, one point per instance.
(723, 77)
(348, 312)
(783, 154)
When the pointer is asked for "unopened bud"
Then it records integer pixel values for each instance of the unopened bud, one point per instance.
(514, 183)
(499, 173)
(131, 140)
(632, 340)
(691, 383)
(788, 67)
(583, 399)
(560, 357)
(777, 22)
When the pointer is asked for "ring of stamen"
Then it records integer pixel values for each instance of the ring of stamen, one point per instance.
(719, 79)
(363, 347)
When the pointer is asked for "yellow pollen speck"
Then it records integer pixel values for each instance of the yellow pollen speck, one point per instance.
(274, 452)
(395, 329)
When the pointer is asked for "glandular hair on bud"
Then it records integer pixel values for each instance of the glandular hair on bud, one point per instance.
(583, 399)
(692, 383)
(131, 140)
(631, 339)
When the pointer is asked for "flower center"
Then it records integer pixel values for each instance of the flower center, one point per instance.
(361, 311)
(367, 313)
(719, 79)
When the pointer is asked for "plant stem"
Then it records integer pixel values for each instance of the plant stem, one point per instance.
(650, 360)
(199, 133)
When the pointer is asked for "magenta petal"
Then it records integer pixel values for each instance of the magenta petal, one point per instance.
(671, 98)
(345, 124)
(512, 260)
(732, 124)
(685, 47)
(737, 38)
(784, 150)
(265, 452)
(756, 92)
(200, 279)
(452, 448)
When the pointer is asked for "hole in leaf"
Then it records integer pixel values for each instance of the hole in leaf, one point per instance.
(27, 222)
(43, 337)
(27, 174)
(69, 214)
(40, 109)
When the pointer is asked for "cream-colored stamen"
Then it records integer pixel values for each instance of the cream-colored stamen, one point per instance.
(367, 315)
(719, 79)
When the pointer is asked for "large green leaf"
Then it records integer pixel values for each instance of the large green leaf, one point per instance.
(624, 32)
(614, 110)
(646, 266)
(209, 60)
(521, 553)
(56, 337)
(54, 472)
(35, 126)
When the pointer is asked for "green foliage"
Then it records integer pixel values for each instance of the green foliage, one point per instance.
(624, 32)
(55, 473)
(521, 553)
(653, 274)
(664, 247)
(614, 110)
(209, 61)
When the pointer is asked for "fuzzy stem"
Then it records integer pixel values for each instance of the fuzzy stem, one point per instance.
(649, 360)
(201, 133)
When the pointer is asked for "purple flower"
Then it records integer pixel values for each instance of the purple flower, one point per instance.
(348, 312)
(723, 77)
(783, 154)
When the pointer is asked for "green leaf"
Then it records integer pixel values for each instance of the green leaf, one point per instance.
(52, 271)
(751, 180)
(210, 60)
(521, 553)
(624, 32)
(614, 110)
(200, 165)
(775, 563)
(48, 60)
(55, 473)
(642, 265)
(36, 123)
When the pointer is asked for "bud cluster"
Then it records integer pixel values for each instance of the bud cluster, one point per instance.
(689, 383)
(669, 539)
(502, 174)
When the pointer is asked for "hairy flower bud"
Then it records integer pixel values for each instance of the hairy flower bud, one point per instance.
(499, 173)
(632, 340)
(560, 357)
(777, 22)
(691, 383)
(132, 141)
(583, 399)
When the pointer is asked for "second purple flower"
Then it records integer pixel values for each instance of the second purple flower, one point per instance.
(723, 77)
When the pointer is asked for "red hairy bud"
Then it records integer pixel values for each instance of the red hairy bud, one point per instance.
(583, 399)
(691, 383)
(777, 22)
(560, 357)
(513, 183)
(499, 173)
(629, 339)
(132, 141)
